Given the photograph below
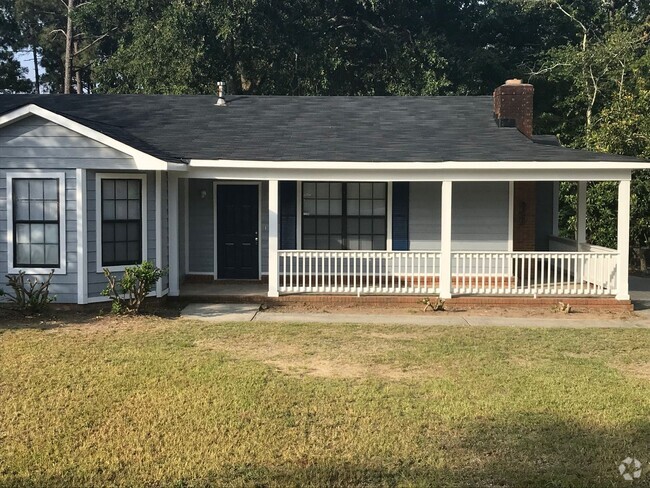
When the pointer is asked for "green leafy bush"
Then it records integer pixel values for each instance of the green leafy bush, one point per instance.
(128, 292)
(30, 296)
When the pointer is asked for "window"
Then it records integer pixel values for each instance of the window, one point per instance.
(121, 221)
(344, 216)
(36, 222)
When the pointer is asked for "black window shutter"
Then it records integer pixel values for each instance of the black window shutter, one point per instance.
(401, 216)
(288, 196)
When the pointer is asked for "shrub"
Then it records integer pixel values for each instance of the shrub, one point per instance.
(30, 296)
(128, 292)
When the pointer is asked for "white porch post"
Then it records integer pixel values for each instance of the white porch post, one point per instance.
(581, 214)
(623, 238)
(159, 243)
(273, 238)
(173, 234)
(445, 241)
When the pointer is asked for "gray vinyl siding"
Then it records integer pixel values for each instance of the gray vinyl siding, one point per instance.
(64, 286)
(38, 143)
(479, 216)
(201, 226)
(96, 280)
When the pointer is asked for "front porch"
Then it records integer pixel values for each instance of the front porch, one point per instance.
(463, 255)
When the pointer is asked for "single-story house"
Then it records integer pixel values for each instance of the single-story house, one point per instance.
(449, 196)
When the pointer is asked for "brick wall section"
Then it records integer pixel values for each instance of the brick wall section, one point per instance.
(525, 203)
(513, 105)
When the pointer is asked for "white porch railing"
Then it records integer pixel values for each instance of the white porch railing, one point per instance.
(472, 273)
(390, 272)
(534, 273)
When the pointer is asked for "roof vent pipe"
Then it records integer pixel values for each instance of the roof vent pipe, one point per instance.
(221, 101)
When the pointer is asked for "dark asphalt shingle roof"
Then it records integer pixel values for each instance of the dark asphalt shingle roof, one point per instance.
(396, 129)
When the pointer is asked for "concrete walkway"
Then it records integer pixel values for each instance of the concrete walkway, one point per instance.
(220, 312)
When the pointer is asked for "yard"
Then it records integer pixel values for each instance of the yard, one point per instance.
(162, 402)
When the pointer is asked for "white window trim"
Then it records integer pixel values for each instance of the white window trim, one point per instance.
(98, 215)
(12, 175)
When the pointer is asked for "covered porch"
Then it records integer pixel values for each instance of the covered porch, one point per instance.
(512, 261)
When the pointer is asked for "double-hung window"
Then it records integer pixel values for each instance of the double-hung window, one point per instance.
(122, 213)
(36, 222)
(344, 216)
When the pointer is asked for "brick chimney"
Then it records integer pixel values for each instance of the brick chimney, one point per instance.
(513, 106)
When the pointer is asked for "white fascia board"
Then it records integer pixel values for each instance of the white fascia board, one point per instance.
(433, 172)
(142, 160)
(419, 166)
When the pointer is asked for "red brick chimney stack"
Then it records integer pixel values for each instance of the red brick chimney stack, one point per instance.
(513, 106)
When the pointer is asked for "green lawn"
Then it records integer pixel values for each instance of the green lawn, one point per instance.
(162, 402)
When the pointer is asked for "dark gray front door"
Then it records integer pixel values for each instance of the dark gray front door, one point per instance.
(237, 232)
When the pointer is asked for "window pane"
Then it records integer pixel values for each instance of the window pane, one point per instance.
(323, 207)
(120, 232)
(108, 232)
(365, 243)
(379, 190)
(365, 226)
(108, 210)
(336, 226)
(353, 226)
(309, 207)
(365, 207)
(21, 189)
(35, 210)
(120, 252)
(353, 207)
(22, 233)
(134, 189)
(22, 210)
(108, 253)
(37, 254)
(133, 249)
(121, 192)
(365, 190)
(37, 233)
(379, 242)
(133, 230)
(378, 226)
(336, 190)
(52, 254)
(22, 254)
(36, 189)
(353, 190)
(309, 190)
(353, 243)
(378, 207)
(309, 225)
(322, 226)
(50, 191)
(51, 210)
(52, 233)
(121, 212)
(336, 207)
(108, 189)
(322, 190)
(134, 209)
(309, 242)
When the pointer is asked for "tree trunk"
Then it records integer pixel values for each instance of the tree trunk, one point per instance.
(37, 76)
(77, 71)
(67, 72)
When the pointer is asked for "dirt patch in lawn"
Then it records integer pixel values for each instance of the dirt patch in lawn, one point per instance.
(637, 370)
(336, 361)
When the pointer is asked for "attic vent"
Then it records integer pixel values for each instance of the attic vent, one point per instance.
(221, 101)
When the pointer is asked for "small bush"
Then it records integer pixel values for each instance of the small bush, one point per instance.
(129, 291)
(30, 296)
(437, 306)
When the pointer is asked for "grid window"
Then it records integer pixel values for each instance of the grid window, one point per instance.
(121, 222)
(36, 222)
(344, 216)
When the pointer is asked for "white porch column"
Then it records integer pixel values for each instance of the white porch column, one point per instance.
(581, 214)
(445, 241)
(273, 238)
(173, 234)
(623, 238)
(159, 243)
(82, 238)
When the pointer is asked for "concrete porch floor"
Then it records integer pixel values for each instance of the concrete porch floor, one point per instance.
(217, 289)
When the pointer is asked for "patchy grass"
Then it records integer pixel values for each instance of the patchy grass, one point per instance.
(160, 402)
